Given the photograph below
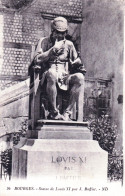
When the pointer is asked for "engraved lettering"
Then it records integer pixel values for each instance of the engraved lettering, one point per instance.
(52, 160)
(81, 160)
(69, 159)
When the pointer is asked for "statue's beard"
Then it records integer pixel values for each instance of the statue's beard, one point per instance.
(60, 38)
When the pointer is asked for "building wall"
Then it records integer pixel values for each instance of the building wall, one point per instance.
(102, 47)
(14, 108)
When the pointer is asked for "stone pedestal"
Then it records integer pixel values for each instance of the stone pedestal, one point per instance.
(63, 150)
(51, 129)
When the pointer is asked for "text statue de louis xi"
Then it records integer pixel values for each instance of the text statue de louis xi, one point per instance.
(61, 69)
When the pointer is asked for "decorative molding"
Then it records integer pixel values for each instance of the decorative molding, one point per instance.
(69, 18)
(13, 78)
(17, 45)
(14, 93)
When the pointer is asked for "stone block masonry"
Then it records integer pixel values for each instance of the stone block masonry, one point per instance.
(16, 50)
(19, 34)
(72, 8)
(15, 61)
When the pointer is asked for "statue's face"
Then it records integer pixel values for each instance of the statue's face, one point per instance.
(57, 35)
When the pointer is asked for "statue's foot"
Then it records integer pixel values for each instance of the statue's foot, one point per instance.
(66, 116)
(59, 117)
(55, 115)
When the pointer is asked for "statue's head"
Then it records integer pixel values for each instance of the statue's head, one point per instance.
(59, 28)
(59, 24)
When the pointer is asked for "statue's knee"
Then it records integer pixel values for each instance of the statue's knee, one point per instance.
(80, 78)
(51, 75)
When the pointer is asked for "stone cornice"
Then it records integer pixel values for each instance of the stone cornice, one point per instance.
(69, 18)
(13, 78)
(14, 93)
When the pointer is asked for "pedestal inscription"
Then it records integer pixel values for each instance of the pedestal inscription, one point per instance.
(62, 159)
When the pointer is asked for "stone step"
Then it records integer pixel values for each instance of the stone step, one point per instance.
(61, 123)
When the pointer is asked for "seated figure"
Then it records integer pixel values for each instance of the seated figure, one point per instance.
(61, 67)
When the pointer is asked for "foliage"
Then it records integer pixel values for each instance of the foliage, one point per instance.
(6, 159)
(115, 166)
(21, 133)
(6, 156)
(105, 132)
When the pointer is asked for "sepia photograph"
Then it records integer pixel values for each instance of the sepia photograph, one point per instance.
(61, 97)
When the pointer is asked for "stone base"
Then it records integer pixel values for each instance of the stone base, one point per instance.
(39, 158)
(57, 129)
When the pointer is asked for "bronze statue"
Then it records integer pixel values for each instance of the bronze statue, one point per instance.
(61, 66)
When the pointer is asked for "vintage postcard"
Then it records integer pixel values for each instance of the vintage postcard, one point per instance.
(61, 97)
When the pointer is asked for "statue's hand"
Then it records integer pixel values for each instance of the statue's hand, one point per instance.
(58, 48)
(77, 66)
(37, 68)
